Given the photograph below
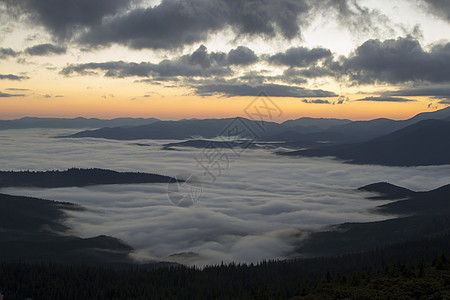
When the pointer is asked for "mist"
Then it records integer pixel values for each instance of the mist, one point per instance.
(259, 207)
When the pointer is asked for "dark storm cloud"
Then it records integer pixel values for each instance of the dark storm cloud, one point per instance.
(12, 77)
(440, 8)
(386, 99)
(6, 95)
(300, 57)
(242, 56)
(272, 90)
(391, 61)
(200, 63)
(316, 101)
(45, 49)
(8, 52)
(173, 24)
(62, 17)
(170, 24)
(395, 61)
(437, 92)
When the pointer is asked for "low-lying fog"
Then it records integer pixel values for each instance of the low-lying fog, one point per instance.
(256, 209)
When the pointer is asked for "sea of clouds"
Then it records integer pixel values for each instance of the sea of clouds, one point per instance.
(260, 207)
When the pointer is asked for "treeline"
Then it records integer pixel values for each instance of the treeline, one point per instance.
(76, 177)
(397, 281)
(321, 277)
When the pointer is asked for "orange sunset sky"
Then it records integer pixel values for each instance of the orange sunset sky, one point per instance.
(188, 59)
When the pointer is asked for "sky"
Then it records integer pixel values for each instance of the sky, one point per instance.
(170, 59)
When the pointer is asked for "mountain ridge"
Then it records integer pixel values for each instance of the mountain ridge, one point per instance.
(421, 214)
(421, 144)
(313, 130)
(34, 230)
(72, 123)
(76, 177)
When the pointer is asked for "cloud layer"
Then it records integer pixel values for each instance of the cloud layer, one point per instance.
(174, 24)
(396, 61)
(399, 61)
(62, 18)
(274, 90)
(386, 99)
(257, 209)
(200, 63)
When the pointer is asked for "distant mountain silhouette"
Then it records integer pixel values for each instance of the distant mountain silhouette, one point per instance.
(421, 144)
(303, 132)
(421, 203)
(315, 123)
(387, 191)
(76, 177)
(31, 122)
(366, 130)
(436, 201)
(208, 128)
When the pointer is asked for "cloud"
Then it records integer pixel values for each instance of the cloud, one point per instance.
(396, 61)
(12, 77)
(16, 89)
(45, 49)
(173, 24)
(436, 92)
(439, 8)
(300, 57)
(272, 90)
(242, 56)
(342, 99)
(358, 19)
(64, 18)
(386, 99)
(246, 215)
(200, 63)
(300, 76)
(8, 52)
(433, 91)
(311, 72)
(6, 95)
(317, 101)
